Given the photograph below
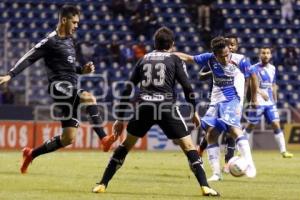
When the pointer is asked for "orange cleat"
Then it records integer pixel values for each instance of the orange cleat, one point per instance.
(107, 141)
(27, 159)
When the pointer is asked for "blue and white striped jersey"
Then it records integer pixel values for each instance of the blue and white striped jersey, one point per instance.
(228, 81)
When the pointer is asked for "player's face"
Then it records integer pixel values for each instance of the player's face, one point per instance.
(265, 55)
(71, 24)
(223, 56)
(233, 45)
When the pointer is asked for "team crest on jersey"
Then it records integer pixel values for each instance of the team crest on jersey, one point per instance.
(230, 70)
(71, 59)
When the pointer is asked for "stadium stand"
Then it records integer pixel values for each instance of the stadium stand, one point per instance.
(256, 25)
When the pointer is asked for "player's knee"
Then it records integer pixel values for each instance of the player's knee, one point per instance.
(251, 126)
(188, 147)
(276, 125)
(87, 97)
(67, 139)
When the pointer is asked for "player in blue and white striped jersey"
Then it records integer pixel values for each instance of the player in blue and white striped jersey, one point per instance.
(266, 74)
(225, 111)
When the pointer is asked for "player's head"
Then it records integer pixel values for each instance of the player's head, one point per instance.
(265, 54)
(69, 19)
(163, 39)
(232, 42)
(220, 49)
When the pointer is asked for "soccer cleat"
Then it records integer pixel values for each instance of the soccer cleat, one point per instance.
(207, 191)
(226, 168)
(215, 177)
(250, 171)
(287, 154)
(99, 189)
(107, 141)
(27, 159)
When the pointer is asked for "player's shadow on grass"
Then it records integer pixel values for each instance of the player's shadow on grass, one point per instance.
(10, 173)
(139, 193)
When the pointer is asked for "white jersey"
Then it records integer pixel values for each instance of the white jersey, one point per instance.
(228, 81)
(266, 78)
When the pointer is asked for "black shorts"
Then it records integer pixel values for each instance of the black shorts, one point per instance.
(168, 118)
(66, 100)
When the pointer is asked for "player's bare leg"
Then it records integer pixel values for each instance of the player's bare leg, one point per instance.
(115, 163)
(195, 163)
(202, 146)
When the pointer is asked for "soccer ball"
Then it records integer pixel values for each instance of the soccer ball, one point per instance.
(237, 166)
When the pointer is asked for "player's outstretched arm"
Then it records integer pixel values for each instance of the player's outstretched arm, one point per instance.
(203, 76)
(185, 57)
(196, 119)
(4, 79)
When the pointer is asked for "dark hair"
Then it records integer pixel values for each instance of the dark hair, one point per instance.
(68, 11)
(231, 35)
(163, 38)
(266, 47)
(218, 43)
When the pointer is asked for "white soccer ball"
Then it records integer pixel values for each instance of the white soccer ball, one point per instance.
(237, 166)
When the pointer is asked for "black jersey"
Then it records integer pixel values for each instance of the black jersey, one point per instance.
(59, 55)
(157, 73)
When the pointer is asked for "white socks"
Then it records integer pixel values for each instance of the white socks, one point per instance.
(249, 135)
(213, 152)
(279, 137)
(244, 148)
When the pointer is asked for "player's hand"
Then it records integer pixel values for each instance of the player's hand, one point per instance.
(88, 68)
(196, 119)
(264, 95)
(254, 103)
(118, 127)
(4, 79)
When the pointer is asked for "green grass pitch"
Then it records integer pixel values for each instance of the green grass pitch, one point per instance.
(145, 175)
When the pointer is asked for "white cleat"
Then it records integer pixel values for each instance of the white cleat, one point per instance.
(215, 177)
(251, 171)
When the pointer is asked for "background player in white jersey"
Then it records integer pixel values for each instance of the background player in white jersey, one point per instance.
(267, 107)
(225, 111)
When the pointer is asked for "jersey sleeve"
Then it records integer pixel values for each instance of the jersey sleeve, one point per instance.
(246, 67)
(34, 54)
(182, 77)
(202, 59)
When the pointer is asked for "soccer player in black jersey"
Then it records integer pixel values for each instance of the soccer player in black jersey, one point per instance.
(157, 73)
(58, 51)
